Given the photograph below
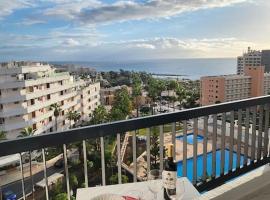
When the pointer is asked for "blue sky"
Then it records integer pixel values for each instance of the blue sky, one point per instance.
(92, 30)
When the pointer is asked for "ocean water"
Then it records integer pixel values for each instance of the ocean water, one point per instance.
(189, 68)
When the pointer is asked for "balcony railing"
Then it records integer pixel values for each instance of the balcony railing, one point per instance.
(235, 135)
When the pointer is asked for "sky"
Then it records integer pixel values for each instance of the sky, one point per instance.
(111, 30)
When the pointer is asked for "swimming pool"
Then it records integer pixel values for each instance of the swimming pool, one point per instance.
(190, 138)
(209, 164)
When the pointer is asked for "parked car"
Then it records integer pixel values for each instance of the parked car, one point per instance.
(9, 195)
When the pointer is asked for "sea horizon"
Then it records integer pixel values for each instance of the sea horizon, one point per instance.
(189, 68)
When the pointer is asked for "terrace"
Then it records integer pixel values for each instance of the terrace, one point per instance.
(228, 141)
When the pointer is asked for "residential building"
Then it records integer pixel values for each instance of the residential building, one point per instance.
(107, 94)
(266, 59)
(27, 91)
(253, 83)
(253, 58)
(249, 58)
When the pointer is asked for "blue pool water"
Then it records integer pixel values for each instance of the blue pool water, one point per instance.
(190, 138)
(209, 164)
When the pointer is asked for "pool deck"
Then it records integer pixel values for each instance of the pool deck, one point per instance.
(179, 147)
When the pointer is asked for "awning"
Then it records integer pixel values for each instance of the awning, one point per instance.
(51, 180)
(9, 160)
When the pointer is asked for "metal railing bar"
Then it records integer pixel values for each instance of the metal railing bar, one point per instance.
(205, 140)
(161, 147)
(88, 132)
(22, 175)
(259, 148)
(45, 174)
(148, 153)
(66, 170)
(239, 137)
(266, 131)
(231, 140)
(185, 149)
(85, 164)
(223, 132)
(119, 167)
(102, 161)
(134, 156)
(174, 139)
(214, 146)
(247, 125)
(253, 142)
(195, 151)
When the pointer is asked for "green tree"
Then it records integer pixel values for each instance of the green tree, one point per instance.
(172, 85)
(56, 112)
(152, 89)
(99, 116)
(114, 179)
(136, 90)
(154, 150)
(3, 135)
(61, 196)
(181, 94)
(26, 132)
(73, 116)
(122, 105)
(162, 86)
(73, 181)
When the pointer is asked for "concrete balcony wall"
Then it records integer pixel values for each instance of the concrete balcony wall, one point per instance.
(27, 83)
(37, 106)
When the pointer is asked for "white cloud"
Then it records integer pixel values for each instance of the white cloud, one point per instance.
(29, 22)
(7, 7)
(94, 11)
(70, 42)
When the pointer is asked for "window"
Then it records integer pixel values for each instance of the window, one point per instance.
(64, 122)
(48, 85)
(34, 126)
(33, 114)
(2, 120)
(1, 106)
(14, 89)
(48, 96)
(50, 119)
(32, 101)
(62, 93)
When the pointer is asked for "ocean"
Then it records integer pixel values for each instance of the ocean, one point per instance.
(188, 68)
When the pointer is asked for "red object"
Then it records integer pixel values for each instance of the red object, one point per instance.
(130, 198)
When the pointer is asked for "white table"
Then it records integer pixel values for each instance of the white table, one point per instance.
(122, 189)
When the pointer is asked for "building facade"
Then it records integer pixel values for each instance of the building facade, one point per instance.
(217, 89)
(249, 58)
(253, 58)
(27, 91)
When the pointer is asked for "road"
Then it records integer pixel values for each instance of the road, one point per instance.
(16, 186)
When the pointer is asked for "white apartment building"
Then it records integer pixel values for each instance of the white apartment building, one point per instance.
(250, 58)
(27, 91)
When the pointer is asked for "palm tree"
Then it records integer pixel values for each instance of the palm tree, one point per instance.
(56, 112)
(3, 135)
(26, 132)
(70, 117)
(172, 85)
(76, 117)
(136, 90)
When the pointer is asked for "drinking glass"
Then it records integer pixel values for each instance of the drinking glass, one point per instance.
(154, 185)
